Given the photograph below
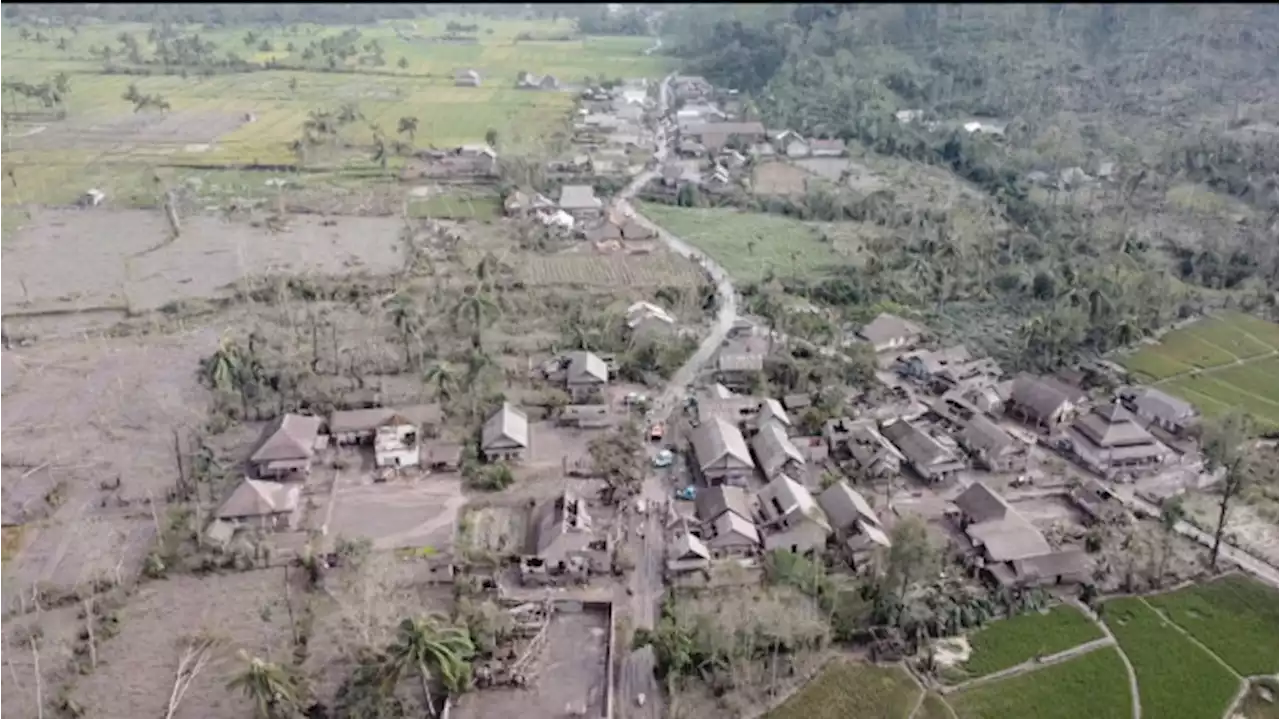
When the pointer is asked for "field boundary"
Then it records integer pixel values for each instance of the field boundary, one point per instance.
(1031, 665)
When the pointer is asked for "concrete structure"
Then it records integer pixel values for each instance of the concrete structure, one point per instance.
(360, 426)
(505, 436)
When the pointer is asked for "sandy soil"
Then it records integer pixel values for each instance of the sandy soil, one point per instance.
(77, 414)
(54, 642)
(135, 671)
(122, 260)
(1251, 528)
(570, 674)
(420, 513)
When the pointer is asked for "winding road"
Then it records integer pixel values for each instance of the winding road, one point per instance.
(636, 676)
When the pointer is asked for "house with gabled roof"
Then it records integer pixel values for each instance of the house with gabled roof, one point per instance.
(789, 518)
(269, 505)
(687, 553)
(581, 202)
(505, 436)
(860, 443)
(561, 529)
(853, 520)
(466, 78)
(771, 410)
(992, 448)
(775, 453)
(586, 376)
(286, 446)
(932, 461)
(1009, 547)
(360, 426)
(1041, 402)
(889, 332)
(721, 454)
(1159, 409)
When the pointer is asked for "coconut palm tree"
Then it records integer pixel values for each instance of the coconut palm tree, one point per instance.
(474, 308)
(222, 369)
(272, 689)
(408, 126)
(404, 314)
(440, 377)
(433, 649)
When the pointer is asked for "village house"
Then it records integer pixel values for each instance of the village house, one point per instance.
(648, 319)
(618, 230)
(687, 553)
(771, 411)
(466, 78)
(796, 402)
(987, 398)
(440, 456)
(1109, 441)
(360, 426)
(775, 453)
(581, 202)
(860, 443)
(1040, 402)
(562, 530)
(721, 453)
(930, 460)
(505, 436)
(924, 365)
(740, 361)
(261, 504)
(827, 148)
(585, 376)
(1160, 410)
(286, 446)
(585, 416)
(724, 521)
(738, 410)
(790, 519)
(992, 448)
(473, 163)
(1010, 549)
(529, 81)
(519, 202)
(715, 135)
(889, 332)
(691, 87)
(854, 521)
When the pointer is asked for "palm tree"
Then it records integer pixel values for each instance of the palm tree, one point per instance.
(408, 126)
(271, 688)
(474, 308)
(403, 313)
(443, 380)
(222, 369)
(434, 650)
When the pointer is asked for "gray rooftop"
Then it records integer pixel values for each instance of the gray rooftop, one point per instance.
(287, 437)
(715, 501)
(509, 423)
(586, 368)
(774, 449)
(887, 327)
(716, 439)
(579, 197)
(845, 506)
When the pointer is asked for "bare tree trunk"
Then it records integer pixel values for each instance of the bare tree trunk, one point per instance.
(35, 658)
(89, 621)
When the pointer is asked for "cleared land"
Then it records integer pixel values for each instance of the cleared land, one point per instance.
(846, 689)
(1093, 685)
(1260, 702)
(1228, 616)
(1010, 642)
(1176, 678)
(749, 244)
(1217, 363)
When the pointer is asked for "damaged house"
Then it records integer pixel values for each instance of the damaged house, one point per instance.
(724, 520)
(790, 519)
(861, 444)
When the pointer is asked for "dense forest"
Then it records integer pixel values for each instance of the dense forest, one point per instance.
(1180, 99)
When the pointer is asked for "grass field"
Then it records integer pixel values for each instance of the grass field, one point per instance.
(457, 206)
(934, 707)
(103, 143)
(1176, 678)
(1228, 616)
(1010, 642)
(749, 244)
(1092, 685)
(847, 689)
(1217, 363)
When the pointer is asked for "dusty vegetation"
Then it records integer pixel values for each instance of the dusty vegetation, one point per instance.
(1092, 685)
(845, 687)
(1008, 643)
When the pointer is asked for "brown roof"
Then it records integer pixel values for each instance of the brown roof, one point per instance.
(288, 437)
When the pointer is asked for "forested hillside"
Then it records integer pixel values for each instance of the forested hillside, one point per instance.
(1177, 102)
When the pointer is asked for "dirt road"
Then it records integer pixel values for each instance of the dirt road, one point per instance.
(636, 676)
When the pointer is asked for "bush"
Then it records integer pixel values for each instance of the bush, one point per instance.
(491, 478)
